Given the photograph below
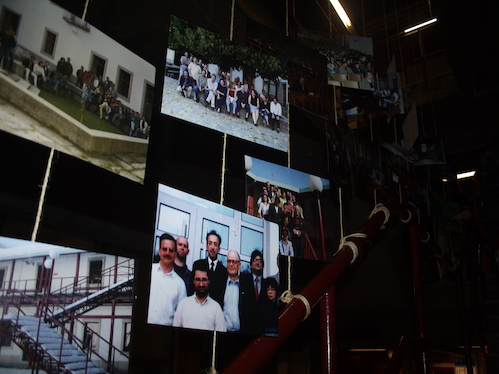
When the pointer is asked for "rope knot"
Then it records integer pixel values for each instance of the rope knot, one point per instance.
(345, 242)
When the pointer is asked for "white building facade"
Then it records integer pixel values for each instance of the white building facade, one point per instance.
(50, 33)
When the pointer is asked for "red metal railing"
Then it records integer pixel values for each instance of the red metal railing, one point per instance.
(261, 349)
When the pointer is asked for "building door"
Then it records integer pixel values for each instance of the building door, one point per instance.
(9, 19)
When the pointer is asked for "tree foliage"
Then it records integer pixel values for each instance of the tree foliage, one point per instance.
(214, 49)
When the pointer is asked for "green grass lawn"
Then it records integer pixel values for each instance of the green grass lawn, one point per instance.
(73, 108)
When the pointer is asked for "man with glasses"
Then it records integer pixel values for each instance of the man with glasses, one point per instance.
(200, 311)
(232, 292)
(252, 296)
(167, 288)
(212, 264)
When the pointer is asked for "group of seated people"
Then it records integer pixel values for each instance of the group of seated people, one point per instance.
(97, 93)
(347, 61)
(212, 296)
(225, 95)
(42, 76)
(282, 208)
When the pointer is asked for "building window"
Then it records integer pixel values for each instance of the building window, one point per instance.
(5, 341)
(124, 82)
(95, 271)
(90, 339)
(98, 66)
(49, 42)
(127, 331)
(2, 276)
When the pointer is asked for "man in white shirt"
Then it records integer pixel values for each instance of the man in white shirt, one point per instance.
(200, 311)
(167, 288)
(275, 114)
(231, 295)
(39, 72)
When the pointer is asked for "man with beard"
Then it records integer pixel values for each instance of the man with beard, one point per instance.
(179, 264)
(200, 311)
(167, 288)
(212, 264)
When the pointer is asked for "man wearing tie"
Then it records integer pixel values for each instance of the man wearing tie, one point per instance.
(252, 296)
(218, 272)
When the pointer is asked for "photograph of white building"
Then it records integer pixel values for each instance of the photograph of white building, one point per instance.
(49, 35)
(64, 308)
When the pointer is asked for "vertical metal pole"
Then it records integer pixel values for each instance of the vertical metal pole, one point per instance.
(321, 224)
(418, 292)
(328, 332)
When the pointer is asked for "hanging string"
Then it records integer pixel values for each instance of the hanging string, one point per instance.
(287, 18)
(85, 10)
(222, 186)
(289, 136)
(212, 370)
(231, 32)
(340, 197)
(287, 296)
(42, 195)
(386, 31)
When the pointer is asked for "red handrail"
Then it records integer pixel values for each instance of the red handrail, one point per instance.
(261, 349)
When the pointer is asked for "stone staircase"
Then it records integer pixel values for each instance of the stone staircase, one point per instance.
(45, 346)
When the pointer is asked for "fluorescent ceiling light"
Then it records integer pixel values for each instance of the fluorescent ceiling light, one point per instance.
(420, 25)
(341, 13)
(467, 174)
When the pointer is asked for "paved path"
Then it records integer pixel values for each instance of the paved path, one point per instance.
(175, 105)
(17, 122)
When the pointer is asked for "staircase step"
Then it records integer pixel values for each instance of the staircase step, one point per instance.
(74, 360)
(56, 352)
(96, 370)
(80, 365)
(77, 357)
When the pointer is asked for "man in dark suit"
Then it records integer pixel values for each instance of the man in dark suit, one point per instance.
(252, 296)
(276, 213)
(217, 271)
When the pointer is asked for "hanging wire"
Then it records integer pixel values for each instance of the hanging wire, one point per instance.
(231, 32)
(386, 31)
(42, 195)
(340, 198)
(287, 18)
(85, 10)
(222, 181)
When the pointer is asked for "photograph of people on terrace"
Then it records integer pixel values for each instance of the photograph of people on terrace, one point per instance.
(287, 197)
(212, 82)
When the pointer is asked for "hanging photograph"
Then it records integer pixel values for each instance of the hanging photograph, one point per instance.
(212, 82)
(60, 298)
(214, 268)
(288, 198)
(68, 86)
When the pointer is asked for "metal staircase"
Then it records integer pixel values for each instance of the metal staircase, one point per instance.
(79, 307)
(35, 321)
(46, 347)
